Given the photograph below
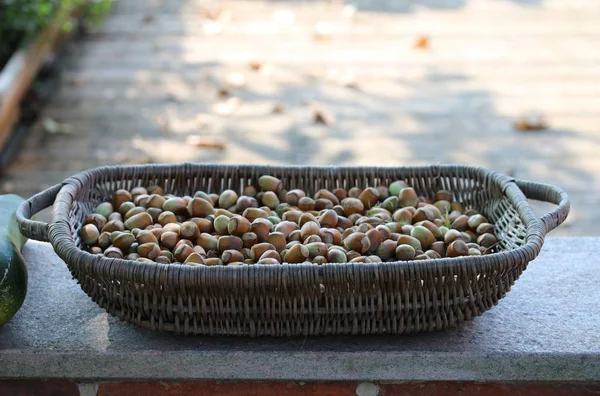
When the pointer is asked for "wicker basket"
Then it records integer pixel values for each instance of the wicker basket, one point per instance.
(300, 299)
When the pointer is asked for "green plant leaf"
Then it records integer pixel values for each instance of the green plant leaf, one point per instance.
(21, 20)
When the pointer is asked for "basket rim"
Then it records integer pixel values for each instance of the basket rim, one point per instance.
(62, 240)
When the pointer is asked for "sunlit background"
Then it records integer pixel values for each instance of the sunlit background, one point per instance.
(511, 85)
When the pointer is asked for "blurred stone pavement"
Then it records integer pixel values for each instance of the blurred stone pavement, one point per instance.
(395, 82)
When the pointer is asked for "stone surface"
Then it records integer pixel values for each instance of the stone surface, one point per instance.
(545, 329)
(139, 86)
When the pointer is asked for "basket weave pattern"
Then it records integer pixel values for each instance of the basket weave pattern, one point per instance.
(300, 299)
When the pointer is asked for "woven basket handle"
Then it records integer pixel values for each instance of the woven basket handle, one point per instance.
(547, 193)
(34, 229)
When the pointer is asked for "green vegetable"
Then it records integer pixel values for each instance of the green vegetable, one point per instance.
(13, 273)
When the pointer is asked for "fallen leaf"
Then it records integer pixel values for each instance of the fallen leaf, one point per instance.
(218, 14)
(531, 123)
(278, 109)
(261, 68)
(222, 92)
(321, 116)
(352, 85)
(148, 19)
(256, 66)
(323, 31)
(206, 142)
(422, 42)
(56, 128)
(284, 17)
(228, 106)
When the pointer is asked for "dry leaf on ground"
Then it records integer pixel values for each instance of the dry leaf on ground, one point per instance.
(278, 109)
(260, 67)
(148, 19)
(206, 142)
(352, 85)
(255, 66)
(222, 92)
(217, 14)
(422, 42)
(322, 116)
(532, 123)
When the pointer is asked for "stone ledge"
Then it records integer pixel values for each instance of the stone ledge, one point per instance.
(545, 329)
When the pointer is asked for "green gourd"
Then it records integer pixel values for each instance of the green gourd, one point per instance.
(13, 273)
